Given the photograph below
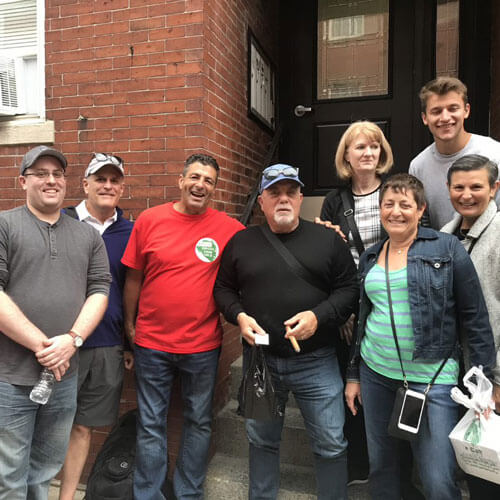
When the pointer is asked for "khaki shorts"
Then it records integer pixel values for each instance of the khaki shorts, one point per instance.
(100, 380)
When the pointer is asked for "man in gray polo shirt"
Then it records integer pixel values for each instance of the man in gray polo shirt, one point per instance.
(54, 283)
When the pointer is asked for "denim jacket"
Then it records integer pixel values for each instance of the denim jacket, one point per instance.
(446, 302)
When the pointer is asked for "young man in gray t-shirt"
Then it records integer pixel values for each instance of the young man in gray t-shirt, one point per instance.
(445, 108)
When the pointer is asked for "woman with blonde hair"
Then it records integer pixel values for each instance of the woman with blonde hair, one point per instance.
(363, 157)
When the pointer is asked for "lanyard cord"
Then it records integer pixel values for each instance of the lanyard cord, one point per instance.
(393, 325)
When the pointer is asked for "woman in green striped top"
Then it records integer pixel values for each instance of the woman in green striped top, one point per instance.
(434, 289)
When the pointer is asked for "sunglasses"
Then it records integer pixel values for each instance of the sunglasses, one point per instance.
(275, 172)
(115, 160)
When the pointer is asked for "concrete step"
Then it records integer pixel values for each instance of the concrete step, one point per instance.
(237, 375)
(227, 479)
(231, 436)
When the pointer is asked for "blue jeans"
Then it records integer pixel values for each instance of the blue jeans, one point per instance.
(155, 372)
(432, 449)
(33, 438)
(315, 381)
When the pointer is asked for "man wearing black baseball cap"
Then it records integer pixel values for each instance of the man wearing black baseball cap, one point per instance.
(54, 282)
(292, 283)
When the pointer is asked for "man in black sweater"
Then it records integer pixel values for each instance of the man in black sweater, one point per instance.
(259, 291)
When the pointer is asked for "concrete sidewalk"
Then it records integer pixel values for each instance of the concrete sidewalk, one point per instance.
(54, 491)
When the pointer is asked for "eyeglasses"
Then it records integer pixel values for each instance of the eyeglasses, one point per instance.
(275, 172)
(115, 160)
(44, 174)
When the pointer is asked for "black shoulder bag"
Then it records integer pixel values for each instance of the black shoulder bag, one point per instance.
(349, 215)
(394, 429)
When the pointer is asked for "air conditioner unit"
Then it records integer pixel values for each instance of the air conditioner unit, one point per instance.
(10, 78)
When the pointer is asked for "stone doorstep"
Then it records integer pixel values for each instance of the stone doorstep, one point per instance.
(230, 436)
(54, 490)
(227, 479)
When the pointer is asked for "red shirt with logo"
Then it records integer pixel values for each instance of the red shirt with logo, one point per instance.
(179, 255)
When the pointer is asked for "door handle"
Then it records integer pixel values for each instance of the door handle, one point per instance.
(301, 110)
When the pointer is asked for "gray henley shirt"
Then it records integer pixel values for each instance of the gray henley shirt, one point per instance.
(48, 270)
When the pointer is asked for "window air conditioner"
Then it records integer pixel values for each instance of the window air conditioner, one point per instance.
(10, 72)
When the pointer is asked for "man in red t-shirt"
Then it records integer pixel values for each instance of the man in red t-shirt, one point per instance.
(173, 257)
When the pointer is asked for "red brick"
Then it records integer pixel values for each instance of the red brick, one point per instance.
(109, 28)
(95, 88)
(95, 18)
(147, 121)
(130, 38)
(63, 22)
(64, 90)
(112, 123)
(131, 133)
(111, 51)
(97, 111)
(147, 71)
(113, 74)
(130, 85)
(87, 76)
(192, 42)
(72, 33)
(147, 24)
(167, 82)
(99, 5)
(130, 60)
(112, 98)
(184, 68)
(54, 48)
(139, 12)
(182, 19)
(147, 144)
(149, 47)
(184, 93)
(167, 57)
(169, 7)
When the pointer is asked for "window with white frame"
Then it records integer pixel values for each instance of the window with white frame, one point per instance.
(22, 58)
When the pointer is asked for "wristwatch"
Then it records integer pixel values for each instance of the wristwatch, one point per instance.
(77, 340)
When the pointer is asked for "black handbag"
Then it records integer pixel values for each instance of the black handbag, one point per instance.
(256, 396)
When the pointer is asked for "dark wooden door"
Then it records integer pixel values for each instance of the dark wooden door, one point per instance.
(310, 141)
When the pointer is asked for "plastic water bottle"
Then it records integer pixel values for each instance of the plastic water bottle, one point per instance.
(42, 390)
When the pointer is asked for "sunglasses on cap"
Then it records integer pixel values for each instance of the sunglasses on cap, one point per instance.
(275, 172)
(115, 160)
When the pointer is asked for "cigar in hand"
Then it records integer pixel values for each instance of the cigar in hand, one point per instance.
(293, 340)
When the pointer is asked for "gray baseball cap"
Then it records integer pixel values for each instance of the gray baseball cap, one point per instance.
(34, 154)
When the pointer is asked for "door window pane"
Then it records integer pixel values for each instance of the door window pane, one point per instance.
(447, 37)
(353, 40)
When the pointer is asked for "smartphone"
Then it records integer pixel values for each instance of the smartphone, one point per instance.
(411, 412)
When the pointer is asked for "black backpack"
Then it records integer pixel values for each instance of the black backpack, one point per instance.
(112, 475)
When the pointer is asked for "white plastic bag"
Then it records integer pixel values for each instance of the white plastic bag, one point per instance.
(475, 439)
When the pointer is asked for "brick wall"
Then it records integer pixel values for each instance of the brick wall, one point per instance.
(153, 81)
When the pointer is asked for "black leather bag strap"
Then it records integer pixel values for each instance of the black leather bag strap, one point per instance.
(349, 215)
(290, 260)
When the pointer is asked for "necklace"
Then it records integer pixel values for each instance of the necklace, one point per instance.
(401, 250)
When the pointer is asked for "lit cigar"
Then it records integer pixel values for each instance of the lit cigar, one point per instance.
(293, 340)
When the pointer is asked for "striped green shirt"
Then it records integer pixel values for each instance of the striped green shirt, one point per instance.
(378, 348)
